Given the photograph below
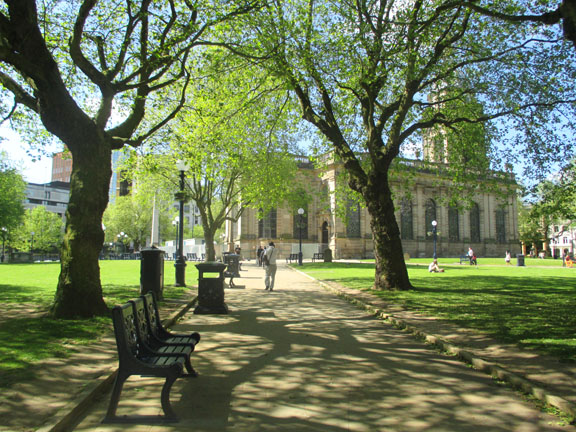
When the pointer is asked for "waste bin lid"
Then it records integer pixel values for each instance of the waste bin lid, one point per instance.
(211, 266)
(151, 250)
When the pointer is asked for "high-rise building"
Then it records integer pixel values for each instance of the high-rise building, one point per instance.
(61, 167)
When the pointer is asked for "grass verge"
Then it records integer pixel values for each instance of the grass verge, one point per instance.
(28, 335)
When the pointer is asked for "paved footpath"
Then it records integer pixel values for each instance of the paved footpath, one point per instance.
(302, 359)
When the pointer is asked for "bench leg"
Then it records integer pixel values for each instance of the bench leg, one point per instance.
(165, 398)
(190, 368)
(115, 397)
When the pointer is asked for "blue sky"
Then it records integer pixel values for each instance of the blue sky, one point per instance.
(38, 171)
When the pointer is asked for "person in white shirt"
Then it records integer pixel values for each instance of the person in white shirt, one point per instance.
(433, 267)
(269, 262)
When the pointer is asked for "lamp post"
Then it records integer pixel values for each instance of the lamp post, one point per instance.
(4, 232)
(435, 236)
(175, 224)
(180, 264)
(301, 213)
(32, 245)
(121, 239)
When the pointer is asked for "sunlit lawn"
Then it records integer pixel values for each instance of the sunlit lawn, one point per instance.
(26, 340)
(533, 306)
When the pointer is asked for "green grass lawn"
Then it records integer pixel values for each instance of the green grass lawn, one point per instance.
(28, 339)
(533, 306)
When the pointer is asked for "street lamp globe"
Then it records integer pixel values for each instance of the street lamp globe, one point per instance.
(182, 165)
(435, 235)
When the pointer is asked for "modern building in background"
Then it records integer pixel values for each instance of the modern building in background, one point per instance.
(62, 170)
(53, 196)
(61, 167)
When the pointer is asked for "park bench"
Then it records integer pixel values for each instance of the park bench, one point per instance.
(464, 259)
(136, 358)
(153, 343)
(317, 256)
(159, 332)
(292, 257)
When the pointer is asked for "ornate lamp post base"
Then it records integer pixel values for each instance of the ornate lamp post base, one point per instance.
(180, 266)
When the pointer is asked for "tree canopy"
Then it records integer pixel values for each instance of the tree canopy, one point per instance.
(87, 70)
(12, 194)
(235, 136)
(375, 76)
(41, 231)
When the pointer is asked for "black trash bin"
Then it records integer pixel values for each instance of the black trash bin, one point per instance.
(152, 272)
(211, 288)
(520, 260)
(233, 263)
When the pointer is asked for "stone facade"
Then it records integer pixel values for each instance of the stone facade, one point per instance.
(489, 226)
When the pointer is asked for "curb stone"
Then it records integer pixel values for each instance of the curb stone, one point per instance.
(67, 417)
(496, 371)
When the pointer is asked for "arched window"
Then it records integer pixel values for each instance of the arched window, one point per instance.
(406, 221)
(429, 216)
(267, 225)
(475, 223)
(453, 224)
(353, 220)
(300, 222)
(500, 225)
(325, 233)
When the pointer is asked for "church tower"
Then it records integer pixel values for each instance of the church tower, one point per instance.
(462, 143)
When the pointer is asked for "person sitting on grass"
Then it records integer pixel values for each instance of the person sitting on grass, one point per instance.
(433, 267)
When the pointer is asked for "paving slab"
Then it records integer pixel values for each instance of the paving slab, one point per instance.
(301, 359)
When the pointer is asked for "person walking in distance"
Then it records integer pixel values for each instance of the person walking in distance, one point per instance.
(269, 262)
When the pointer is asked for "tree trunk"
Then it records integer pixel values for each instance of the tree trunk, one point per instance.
(79, 292)
(390, 273)
(209, 241)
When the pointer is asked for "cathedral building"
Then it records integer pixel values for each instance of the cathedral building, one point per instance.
(486, 221)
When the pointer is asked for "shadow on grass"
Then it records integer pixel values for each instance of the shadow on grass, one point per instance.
(29, 334)
(28, 340)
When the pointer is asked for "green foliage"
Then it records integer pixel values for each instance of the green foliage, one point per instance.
(529, 227)
(12, 194)
(235, 139)
(43, 228)
(552, 202)
(131, 215)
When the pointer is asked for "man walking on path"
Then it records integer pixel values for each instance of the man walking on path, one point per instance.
(269, 261)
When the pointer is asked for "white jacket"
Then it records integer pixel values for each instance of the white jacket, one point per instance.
(271, 254)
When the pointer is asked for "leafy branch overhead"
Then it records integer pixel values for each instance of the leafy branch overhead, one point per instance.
(89, 70)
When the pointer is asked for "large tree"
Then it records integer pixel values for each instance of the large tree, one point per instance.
(87, 70)
(545, 12)
(236, 138)
(374, 76)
